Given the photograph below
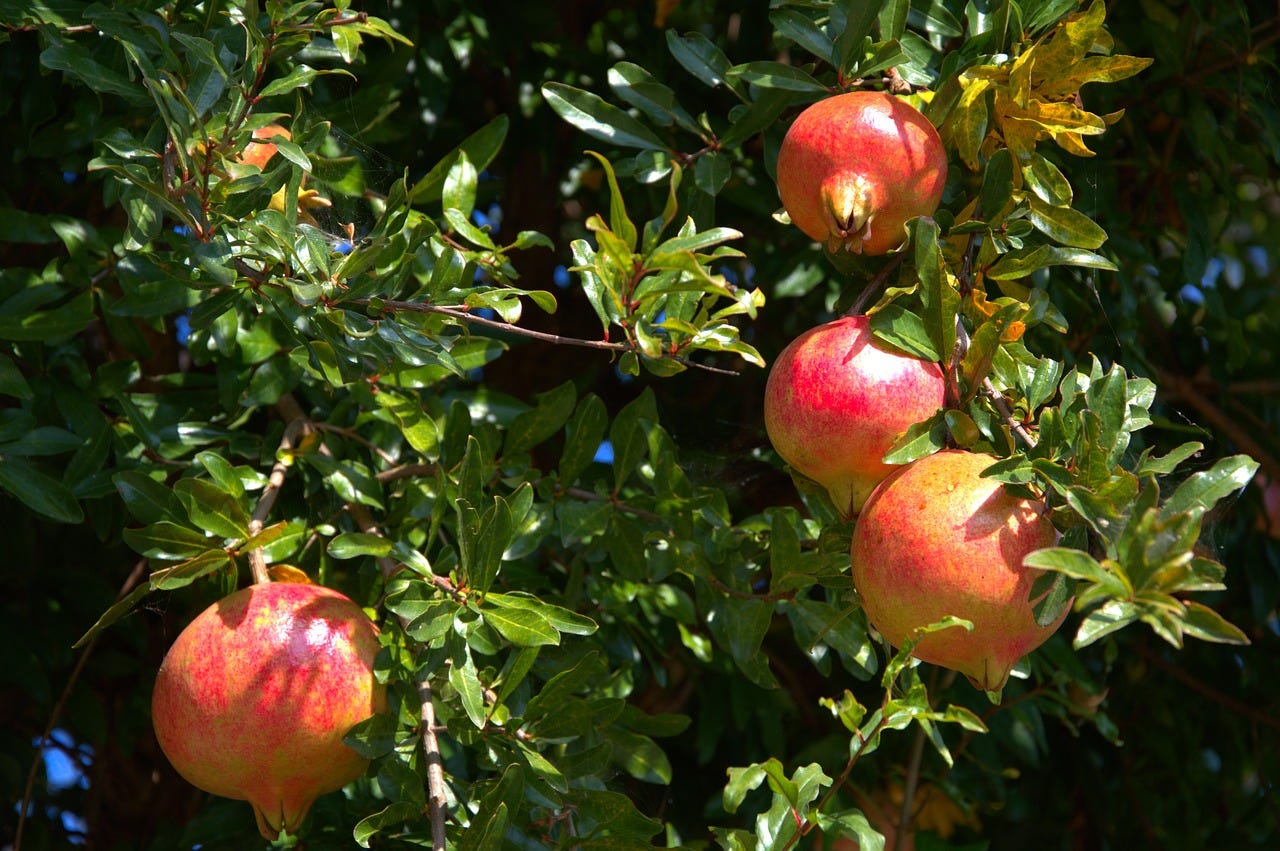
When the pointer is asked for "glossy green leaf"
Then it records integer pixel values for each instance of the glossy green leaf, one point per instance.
(701, 58)
(598, 118)
(184, 573)
(796, 26)
(167, 540)
(213, 509)
(522, 627)
(775, 75)
(356, 544)
(641, 89)
(41, 493)
(1205, 489)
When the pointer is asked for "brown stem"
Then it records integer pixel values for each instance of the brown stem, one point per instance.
(437, 802)
(909, 788)
(464, 315)
(296, 428)
(405, 471)
(997, 399)
(875, 285)
(135, 576)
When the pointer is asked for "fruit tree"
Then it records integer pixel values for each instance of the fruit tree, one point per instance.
(806, 424)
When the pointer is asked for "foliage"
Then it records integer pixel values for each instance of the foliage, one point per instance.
(608, 620)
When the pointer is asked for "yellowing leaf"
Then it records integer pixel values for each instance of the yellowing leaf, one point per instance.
(968, 121)
(289, 573)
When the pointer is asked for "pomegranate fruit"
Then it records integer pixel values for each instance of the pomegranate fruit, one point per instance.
(260, 153)
(254, 697)
(854, 168)
(937, 539)
(835, 402)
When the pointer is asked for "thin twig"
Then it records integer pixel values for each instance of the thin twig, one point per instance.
(997, 399)
(296, 428)
(135, 576)
(909, 788)
(463, 314)
(405, 471)
(875, 285)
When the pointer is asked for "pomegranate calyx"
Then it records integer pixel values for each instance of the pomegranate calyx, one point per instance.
(848, 204)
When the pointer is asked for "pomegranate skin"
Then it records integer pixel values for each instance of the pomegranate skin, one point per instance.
(937, 539)
(253, 698)
(853, 169)
(835, 403)
(259, 153)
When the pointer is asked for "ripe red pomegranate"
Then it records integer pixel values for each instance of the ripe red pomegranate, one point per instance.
(254, 697)
(937, 539)
(835, 402)
(854, 168)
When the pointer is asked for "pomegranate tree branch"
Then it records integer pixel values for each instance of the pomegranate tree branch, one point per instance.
(293, 432)
(874, 286)
(437, 802)
(909, 788)
(463, 314)
(997, 399)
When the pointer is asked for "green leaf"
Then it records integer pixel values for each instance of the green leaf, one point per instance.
(167, 540)
(1065, 225)
(117, 610)
(480, 148)
(356, 544)
(12, 381)
(212, 508)
(1206, 488)
(599, 119)
(49, 325)
(559, 617)
(775, 75)
(639, 756)
(76, 61)
(1204, 623)
(1113, 616)
(183, 574)
(583, 435)
(701, 58)
(466, 680)
(481, 544)
(794, 25)
(459, 191)
(1022, 262)
(1076, 564)
(392, 815)
(522, 627)
(1046, 181)
(939, 300)
(904, 330)
(642, 90)
(918, 441)
(858, 17)
(997, 186)
(534, 426)
(1148, 466)
(619, 222)
(147, 500)
(892, 18)
(43, 494)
